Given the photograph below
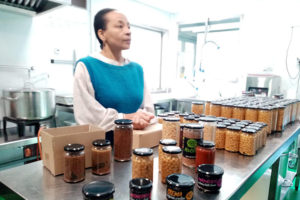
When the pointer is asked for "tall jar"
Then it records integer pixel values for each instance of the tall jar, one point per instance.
(247, 144)
(259, 134)
(294, 112)
(220, 136)
(210, 125)
(74, 170)
(101, 157)
(162, 143)
(205, 153)
(280, 118)
(232, 140)
(181, 116)
(215, 109)
(238, 112)
(251, 113)
(189, 119)
(142, 163)
(171, 128)
(264, 132)
(265, 115)
(123, 140)
(161, 116)
(197, 107)
(274, 117)
(207, 108)
(192, 134)
(171, 162)
(226, 110)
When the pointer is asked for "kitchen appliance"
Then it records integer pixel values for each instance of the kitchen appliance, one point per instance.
(263, 84)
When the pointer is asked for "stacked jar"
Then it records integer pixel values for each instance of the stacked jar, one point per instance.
(220, 136)
(74, 169)
(123, 134)
(226, 110)
(171, 162)
(207, 108)
(210, 125)
(265, 115)
(259, 134)
(247, 144)
(280, 119)
(251, 113)
(189, 119)
(101, 157)
(238, 112)
(171, 128)
(181, 116)
(215, 109)
(298, 110)
(161, 116)
(197, 107)
(274, 117)
(192, 134)
(162, 143)
(232, 139)
(142, 163)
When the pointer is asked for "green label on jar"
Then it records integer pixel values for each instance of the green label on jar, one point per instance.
(189, 147)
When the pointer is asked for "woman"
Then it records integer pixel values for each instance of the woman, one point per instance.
(106, 85)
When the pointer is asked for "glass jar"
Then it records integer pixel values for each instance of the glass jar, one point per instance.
(264, 132)
(265, 115)
(215, 109)
(162, 143)
(280, 118)
(74, 170)
(294, 110)
(251, 113)
(210, 125)
(192, 134)
(248, 142)
(205, 153)
(123, 134)
(259, 134)
(181, 116)
(181, 135)
(161, 116)
(197, 108)
(171, 162)
(220, 136)
(142, 163)
(298, 110)
(238, 112)
(98, 190)
(140, 189)
(207, 108)
(101, 157)
(232, 139)
(171, 128)
(226, 110)
(189, 119)
(210, 178)
(180, 186)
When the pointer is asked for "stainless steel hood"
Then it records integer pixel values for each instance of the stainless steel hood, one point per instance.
(31, 7)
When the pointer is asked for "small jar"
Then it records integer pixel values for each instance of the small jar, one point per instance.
(197, 108)
(265, 115)
(251, 113)
(189, 119)
(181, 116)
(210, 178)
(215, 109)
(181, 135)
(238, 112)
(226, 110)
(142, 163)
(171, 162)
(205, 153)
(123, 134)
(101, 157)
(207, 108)
(98, 190)
(161, 116)
(247, 142)
(180, 186)
(192, 134)
(140, 189)
(232, 140)
(220, 136)
(210, 125)
(280, 118)
(162, 143)
(171, 128)
(74, 170)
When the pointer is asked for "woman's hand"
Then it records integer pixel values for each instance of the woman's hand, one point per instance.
(140, 119)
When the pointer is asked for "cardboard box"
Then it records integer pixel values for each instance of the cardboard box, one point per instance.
(54, 140)
(149, 137)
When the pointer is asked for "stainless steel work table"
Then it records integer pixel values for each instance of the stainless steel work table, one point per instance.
(33, 181)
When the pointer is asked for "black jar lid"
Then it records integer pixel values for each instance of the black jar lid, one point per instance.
(175, 112)
(183, 114)
(194, 126)
(208, 119)
(196, 116)
(180, 181)
(206, 144)
(198, 102)
(74, 147)
(172, 149)
(143, 152)
(221, 125)
(189, 117)
(254, 127)
(210, 169)
(240, 125)
(261, 123)
(216, 103)
(101, 143)
(163, 115)
(248, 121)
(98, 189)
(142, 185)
(249, 130)
(226, 123)
(245, 123)
(235, 128)
(236, 120)
(218, 119)
(123, 121)
(222, 118)
(168, 142)
(182, 125)
(172, 119)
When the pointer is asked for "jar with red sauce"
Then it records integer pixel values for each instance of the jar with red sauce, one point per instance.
(205, 153)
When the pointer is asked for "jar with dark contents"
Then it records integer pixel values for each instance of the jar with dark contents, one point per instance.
(123, 134)
(101, 157)
(142, 163)
(98, 190)
(140, 189)
(171, 161)
(210, 178)
(205, 153)
(180, 186)
(74, 170)
(162, 143)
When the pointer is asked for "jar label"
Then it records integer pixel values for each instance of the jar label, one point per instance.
(189, 147)
(178, 195)
(140, 196)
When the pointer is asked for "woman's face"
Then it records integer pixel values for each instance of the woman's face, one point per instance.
(117, 34)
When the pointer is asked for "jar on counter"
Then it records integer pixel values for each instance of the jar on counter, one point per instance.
(162, 143)
(215, 109)
(189, 119)
(74, 170)
(226, 110)
(232, 139)
(259, 134)
(298, 110)
(161, 116)
(123, 134)
(238, 112)
(205, 153)
(180, 186)
(274, 117)
(171, 128)
(181, 116)
(280, 118)
(210, 125)
(264, 132)
(210, 178)
(98, 190)
(101, 157)
(171, 162)
(248, 142)
(251, 113)
(181, 135)
(192, 134)
(142, 163)
(265, 115)
(207, 108)
(197, 107)
(294, 110)
(220, 136)
(140, 189)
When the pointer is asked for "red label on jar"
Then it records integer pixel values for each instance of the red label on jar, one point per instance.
(140, 196)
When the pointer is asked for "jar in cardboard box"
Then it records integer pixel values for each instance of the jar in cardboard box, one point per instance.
(197, 108)
(123, 134)
(210, 125)
(162, 143)
(171, 162)
(101, 157)
(171, 128)
(247, 144)
(232, 139)
(142, 163)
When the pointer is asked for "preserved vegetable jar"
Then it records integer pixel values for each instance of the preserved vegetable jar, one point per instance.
(207, 108)
(162, 143)
(264, 132)
(142, 163)
(123, 139)
(140, 189)
(280, 118)
(274, 117)
(171, 162)
(171, 128)
(215, 109)
(181, 116)
(101, 157)
(210, 125)
(238, 112)
(161, 116)
(180, 186)
(232, 139)
(205, 153)
(258, 135)
(226, 110)
(192, 134)
(220, 136)
(197, 108)
(248, 142)
(98, 190)
(74, 170)
(251, 113)
(189, 119)
(265, 115)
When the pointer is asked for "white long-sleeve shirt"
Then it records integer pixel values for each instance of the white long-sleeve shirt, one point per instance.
(87, 109)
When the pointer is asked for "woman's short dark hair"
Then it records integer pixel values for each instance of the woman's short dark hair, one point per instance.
(100, 22)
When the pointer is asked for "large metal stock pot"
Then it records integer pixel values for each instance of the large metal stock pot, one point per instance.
(29, 104)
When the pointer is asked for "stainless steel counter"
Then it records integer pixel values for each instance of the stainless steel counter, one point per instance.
(33, 181)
